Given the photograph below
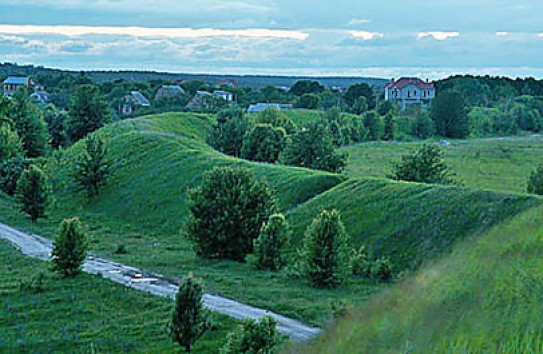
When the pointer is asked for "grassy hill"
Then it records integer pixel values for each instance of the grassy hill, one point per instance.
(82, 314)
(501, 164)
(158, 158)
(484, 298)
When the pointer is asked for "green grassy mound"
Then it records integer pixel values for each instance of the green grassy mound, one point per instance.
(82, 314)
(501, 164)
(484, 298)
(409, 222)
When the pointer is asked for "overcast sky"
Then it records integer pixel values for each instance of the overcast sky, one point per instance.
(380, 38)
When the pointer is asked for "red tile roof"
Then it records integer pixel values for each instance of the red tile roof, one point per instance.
(406, 81)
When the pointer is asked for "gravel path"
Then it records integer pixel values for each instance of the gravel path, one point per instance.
(155, 284)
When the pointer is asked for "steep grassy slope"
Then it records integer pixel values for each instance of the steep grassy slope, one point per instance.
(486, 297)
(496, 164)
(410, 222)
(82, 314)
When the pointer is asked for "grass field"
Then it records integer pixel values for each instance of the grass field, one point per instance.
(483, 298)
(158, 158)
(501, 164)
(84, 314)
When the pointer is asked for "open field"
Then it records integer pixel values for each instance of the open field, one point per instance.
(84, 314)
(501, 164)
(485, 297)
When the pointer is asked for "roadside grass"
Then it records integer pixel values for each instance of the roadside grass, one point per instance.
(84, 314)
(485, 297)
(500, 164)
(409, 222)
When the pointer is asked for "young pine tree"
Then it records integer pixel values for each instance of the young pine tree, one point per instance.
(87, 114)
(326, 251)
(271, 242)
(92, 167)
(69, 247)
(29, 124)
(189, 317)
(253, 337)
(10, 144)
(33, 192)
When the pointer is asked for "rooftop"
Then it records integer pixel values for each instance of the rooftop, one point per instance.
(406, 81)
(17, 80)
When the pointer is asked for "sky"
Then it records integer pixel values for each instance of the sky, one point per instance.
(377, 38)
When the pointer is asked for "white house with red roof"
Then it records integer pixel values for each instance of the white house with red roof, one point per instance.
(410, 90)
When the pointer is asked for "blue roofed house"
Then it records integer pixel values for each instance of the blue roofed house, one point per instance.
(259, 107)
(133, 100)
(14, 83)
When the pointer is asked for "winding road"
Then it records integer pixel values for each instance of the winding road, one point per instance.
(155, 284)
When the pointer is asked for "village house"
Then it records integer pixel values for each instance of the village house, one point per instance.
(227, 82)
(169, 91)
(14, 83)
(201, 98)
(259, 107)
(133, 100)
(409, 91)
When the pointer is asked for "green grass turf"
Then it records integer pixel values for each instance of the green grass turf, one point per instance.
(485, 297)
(84, 313)
(501, 164)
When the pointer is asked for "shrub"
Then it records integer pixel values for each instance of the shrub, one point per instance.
(276, 118)
(381, 269)
(227, 213)
(29, 124)
(374, 126)
(34, 284)
(426, 165)
(326, 252)
(450, 115)
(10, 144)
(227, 134)
(87, 114)
(33, 192)
(253, 337)
(535, 182)
(263, 143)
(69, 247)
(389, 127)
(10, 172)
(189, 320)
(360, 264)
(92, 167)
(271, 242)
(309, 101)
(423, 127)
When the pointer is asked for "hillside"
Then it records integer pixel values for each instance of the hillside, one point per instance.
(484, 298)
(158, 158)
(66, 316)
(501, 164)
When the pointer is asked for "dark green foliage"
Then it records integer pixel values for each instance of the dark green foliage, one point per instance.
(227, 213)
(33, 192)
(313, 147)
(276, 118)
(535, 182)
(426, 165)
(359, 106)
(423, 127)
(381, 269)
(389, 127)
(271, 243)
(253, 337)
(227, 134)
(69, 247)
(387, 107)
(87, 114)
(374, 126)
(263, 143)
(326, 261)
(360, 264)
(304, 87)
(229, 113)
(189, 318)
(360, 90)
(450, 115)
(55, 124)
(92, 168)
(309, 101)
(10, 172)
(29, 124)
(10, 144)
(34, 284)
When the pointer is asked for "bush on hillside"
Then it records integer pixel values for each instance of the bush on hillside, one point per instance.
(55, 120)
(10, 144)
(423, 127)
(227, 213)
(326, 261)
(92, 168)
(381, 269)
(227, 134)
(313, 147)
(29, 124)
(276, 118)
(374, 125)
(33, 192)
(360, 264)
(308, 101)
(535, 182)
(189, 320)
(88, 113)
(426, 165)
(263, 143)
(253, 337)
(69, 247)
(389, 127)
(270, 244)
(10, 172)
